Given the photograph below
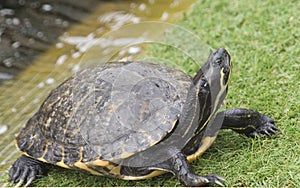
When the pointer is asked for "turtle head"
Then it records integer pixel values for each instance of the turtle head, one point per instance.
(213, 77)
(217, 68)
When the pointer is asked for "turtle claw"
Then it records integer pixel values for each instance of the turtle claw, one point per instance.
(267, 133)
(25, 170)
(273, 128)
(272, 131)
(214, 179)
(252, 135)
(264, 125)
(218, 180)
(268, 129)
(29, 181)
(219, 183)
(193, 180)
(19, 183)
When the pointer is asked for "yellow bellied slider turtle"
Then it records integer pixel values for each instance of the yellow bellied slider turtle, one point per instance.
(134, 120)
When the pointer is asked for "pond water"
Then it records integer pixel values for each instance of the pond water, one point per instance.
(75, 49)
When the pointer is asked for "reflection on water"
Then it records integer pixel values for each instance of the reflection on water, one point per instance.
(28, 28)
(74, 49)
(124, 13)
(3, 129)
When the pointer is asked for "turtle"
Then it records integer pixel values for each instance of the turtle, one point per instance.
(134, 120)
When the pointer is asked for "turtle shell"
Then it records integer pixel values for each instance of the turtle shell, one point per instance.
(106, 113)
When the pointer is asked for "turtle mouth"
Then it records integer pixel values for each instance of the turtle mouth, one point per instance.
(225, 77)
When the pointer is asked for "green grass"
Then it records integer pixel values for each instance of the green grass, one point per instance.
(263, 39)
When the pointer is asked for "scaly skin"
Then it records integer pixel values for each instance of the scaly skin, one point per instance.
(249, 122)
(26, 169)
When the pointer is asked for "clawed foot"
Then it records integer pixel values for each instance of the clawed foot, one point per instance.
(264, 126)
(210, 179)
(194, 180)
(25, 170)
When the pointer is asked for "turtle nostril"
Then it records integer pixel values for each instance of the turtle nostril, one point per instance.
(214, 52)
(221, 50)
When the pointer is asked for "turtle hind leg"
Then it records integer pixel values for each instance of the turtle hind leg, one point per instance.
(179, 166)
(26, 169)
(249, 122)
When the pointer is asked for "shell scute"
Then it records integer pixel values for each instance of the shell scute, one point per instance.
(110, 112)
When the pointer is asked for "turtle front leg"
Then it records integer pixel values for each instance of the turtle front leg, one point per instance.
(25, 170)
(248, 122)
(179, 166)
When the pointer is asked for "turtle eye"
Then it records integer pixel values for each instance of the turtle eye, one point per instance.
(218, 61)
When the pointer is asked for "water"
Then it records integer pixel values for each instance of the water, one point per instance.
(22, 96)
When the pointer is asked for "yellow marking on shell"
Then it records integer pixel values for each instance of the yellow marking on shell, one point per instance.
(249, 115)
(99, 162)
(43, 155)
(52, 104)
(61, 163)
(80, 154)
(32, 143)
(48, 122)
(16, 141)
(75, 110)
(99, 98)
(24, 153)
(206, 143)
(53, 113)
(174, 123)
(151, 140)
(126, 154)
(115, 170)
(110, 108)
(76, 131)
(40, 159)
(83, 166)
(151, 175)
(111, 166)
